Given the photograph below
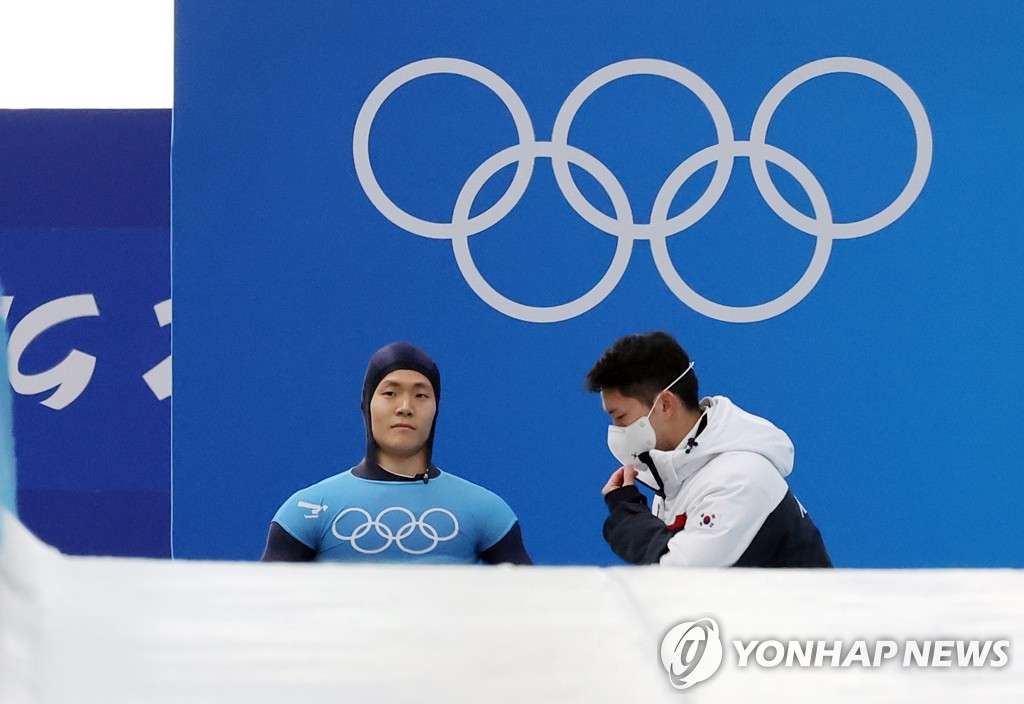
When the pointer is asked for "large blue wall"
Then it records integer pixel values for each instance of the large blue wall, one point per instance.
(894, 369)
(896, 373)
(84, 257)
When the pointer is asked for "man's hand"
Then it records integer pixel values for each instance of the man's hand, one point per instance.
(623, 476)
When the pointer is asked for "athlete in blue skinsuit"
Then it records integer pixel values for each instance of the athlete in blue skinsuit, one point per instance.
(395, 505)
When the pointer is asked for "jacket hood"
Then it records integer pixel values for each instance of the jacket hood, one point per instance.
(728, 428)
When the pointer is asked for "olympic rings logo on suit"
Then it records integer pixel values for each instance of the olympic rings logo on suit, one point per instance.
(660, 226)
(390, 536)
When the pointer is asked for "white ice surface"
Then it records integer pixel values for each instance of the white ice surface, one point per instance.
(113, 630)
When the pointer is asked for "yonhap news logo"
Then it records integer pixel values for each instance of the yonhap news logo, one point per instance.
(693, 651)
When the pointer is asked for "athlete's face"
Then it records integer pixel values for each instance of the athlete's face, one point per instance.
(623, 410)
(626, 410)
(402, 412)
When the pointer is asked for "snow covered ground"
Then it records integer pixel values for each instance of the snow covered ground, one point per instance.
(110, 630)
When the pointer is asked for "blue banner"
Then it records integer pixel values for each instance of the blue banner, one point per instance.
(84, 244)
(819, 200)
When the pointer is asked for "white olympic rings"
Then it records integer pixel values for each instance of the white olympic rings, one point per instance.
(660, 226)
(390, 536)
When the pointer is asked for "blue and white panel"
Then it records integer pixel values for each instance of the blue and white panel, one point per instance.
(84, 257)
(820, 201)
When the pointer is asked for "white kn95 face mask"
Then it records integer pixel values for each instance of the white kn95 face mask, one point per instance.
(629, 442)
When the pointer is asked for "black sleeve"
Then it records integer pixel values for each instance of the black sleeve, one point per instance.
(509, 549)
(282, 547)
(788, 538)
(633, 532)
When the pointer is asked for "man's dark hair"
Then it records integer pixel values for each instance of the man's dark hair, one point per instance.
(640, 366)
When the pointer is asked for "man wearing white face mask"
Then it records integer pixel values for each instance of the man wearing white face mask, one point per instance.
(721, 498)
